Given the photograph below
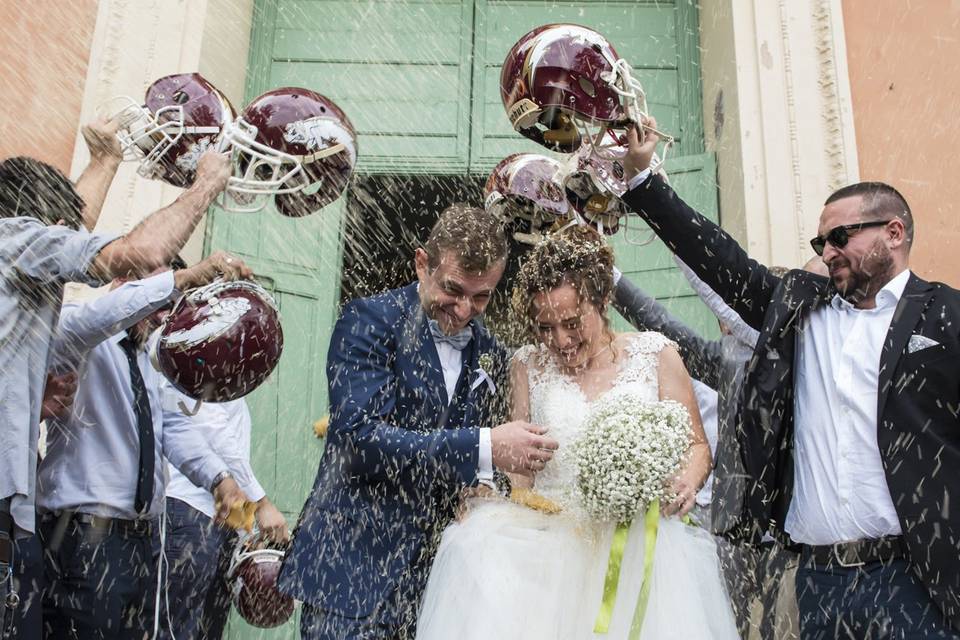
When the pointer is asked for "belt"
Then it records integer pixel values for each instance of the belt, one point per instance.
(133, 528)
(854, 554)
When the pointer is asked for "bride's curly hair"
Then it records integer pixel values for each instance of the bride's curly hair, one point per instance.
(578, 256)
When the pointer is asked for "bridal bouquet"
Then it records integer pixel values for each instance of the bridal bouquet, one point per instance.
(627, 453)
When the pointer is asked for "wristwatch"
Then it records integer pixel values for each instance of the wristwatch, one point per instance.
(217, 479)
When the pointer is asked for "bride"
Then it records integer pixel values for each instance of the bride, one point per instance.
(535, 567)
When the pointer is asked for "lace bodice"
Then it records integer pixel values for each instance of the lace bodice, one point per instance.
(558, 402)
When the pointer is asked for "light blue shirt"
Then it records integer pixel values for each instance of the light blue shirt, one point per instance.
(92, 457)
(35, 262)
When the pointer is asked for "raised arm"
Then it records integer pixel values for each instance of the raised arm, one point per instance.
(156, 240)
(702, 357)
(675, 385)
(745, 284)
(83, 326)
(105, 156)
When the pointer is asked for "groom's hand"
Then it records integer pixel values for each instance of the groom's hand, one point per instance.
(521, 447)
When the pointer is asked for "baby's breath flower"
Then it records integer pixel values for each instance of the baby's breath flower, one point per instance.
(627, 453)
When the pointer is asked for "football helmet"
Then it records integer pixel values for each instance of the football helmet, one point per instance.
(293, 144)
(594, 186)
(525, 190)
(252, 579)
(182, 115)
(220, 341)
(559, 80)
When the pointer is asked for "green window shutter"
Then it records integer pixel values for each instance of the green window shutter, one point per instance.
(400, 70)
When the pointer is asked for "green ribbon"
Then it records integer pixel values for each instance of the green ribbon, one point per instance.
(602, 623)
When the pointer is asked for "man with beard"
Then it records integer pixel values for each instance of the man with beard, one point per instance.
(848, 426)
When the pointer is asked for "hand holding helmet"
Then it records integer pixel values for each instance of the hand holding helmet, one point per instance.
(101, 139)
(252, 577)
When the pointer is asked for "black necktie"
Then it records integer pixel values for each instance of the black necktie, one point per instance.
(141, 409)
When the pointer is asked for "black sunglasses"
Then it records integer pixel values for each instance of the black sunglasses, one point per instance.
(839, 236)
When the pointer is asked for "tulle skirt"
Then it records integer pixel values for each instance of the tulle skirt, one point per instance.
(506, 571)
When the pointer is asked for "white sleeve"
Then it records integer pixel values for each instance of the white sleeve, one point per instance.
(485, 463)
(738, 327)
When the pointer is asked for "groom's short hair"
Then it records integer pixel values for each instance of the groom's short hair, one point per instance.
(470, 233)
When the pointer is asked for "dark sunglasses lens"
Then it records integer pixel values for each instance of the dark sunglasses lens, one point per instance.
(838, 237)
(818, 244)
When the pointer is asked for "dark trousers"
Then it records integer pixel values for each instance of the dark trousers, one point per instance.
(101, 581)
(198, 556)
(26, 619)
(317, 624)
(755, 578)
(877, 600)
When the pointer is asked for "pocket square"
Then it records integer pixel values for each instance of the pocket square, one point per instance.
(919, 343)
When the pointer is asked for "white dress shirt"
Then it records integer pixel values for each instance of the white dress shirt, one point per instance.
(451, 361)
(840, 490)
(227, 429)
(35, 262)
(92, 459)
(707, 404)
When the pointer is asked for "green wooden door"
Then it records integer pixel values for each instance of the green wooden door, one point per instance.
(298, 261)
(419, 81)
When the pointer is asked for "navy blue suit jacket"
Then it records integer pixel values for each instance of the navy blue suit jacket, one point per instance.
(397, 456)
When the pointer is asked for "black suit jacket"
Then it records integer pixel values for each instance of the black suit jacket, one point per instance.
(918, 397)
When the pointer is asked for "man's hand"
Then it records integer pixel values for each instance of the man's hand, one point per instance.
(213, 171)
(228, 496)
(639, 154)
(58, 396)
(271, 522)
(218, 263)
(102, 142)
(521, 447)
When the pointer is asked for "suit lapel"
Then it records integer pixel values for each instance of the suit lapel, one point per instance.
(422, 350)
(905, 319)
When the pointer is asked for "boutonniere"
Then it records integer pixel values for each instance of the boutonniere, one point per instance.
(486, 363)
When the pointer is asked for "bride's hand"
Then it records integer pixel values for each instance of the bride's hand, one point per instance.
(687, 483)
(685, 497)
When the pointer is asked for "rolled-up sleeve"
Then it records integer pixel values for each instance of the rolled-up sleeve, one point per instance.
(56, 253)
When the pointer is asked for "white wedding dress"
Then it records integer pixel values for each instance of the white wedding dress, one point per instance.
(507, 571)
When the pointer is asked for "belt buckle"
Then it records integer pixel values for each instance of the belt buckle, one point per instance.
(843, 557)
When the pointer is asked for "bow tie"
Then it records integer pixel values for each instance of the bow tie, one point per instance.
(458, 341)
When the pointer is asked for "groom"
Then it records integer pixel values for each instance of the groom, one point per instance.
(412, 377)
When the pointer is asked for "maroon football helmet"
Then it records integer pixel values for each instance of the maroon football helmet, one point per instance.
(252, 578)
(294, 143)
(220, 341)
(594, 185)
(525, 190)
(182, 115)
(560, 79)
